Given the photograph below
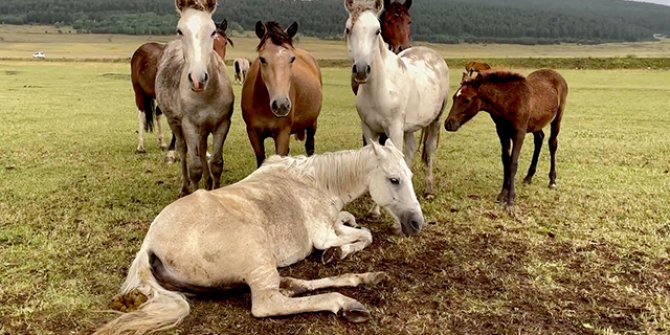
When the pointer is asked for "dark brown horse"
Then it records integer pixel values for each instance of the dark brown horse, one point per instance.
(518, 106)
(396, 23)
(283, 92)
(143, 67)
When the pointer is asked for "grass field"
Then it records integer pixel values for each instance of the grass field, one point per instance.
(22, 41)
(591, 257)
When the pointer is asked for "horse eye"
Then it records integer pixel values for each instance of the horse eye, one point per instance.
(379, 31)
(263, 61)
(292, 60)
(212, 35)
(179, 32)
(410, 22)
(347, 31)
(394, 181)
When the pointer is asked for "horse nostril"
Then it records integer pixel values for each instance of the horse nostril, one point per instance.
(190, 79)
(416, 225)
(204, 80)
(354, 69)
(368, 69)
(275, 106)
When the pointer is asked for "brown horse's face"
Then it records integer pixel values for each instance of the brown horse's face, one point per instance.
(396, 23)
(276, 71)
(466, 105)
(221, 39)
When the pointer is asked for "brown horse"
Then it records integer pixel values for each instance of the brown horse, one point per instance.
(283, 92)
(518, 106)
(395, 21)
(143, 67)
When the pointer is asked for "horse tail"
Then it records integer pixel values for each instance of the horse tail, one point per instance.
(237, 68)
(164, 309)
(300, 136)
(148, 113)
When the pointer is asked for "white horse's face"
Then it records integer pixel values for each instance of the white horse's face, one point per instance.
(197, 32)
(363, 39)
(391, 188)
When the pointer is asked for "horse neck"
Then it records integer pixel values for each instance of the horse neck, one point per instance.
(345, 173)
(385, 62)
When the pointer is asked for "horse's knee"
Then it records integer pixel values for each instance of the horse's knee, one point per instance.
(195, 170)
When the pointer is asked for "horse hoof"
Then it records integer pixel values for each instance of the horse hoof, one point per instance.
(356, 314)
(527, 181)
(509, 209)
(170, 160)
(553, 186)
(163, 147)
(331, 255)
(377, 278)
(140, 151)
(429, 196)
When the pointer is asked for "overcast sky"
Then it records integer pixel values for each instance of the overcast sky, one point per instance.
(662, 2)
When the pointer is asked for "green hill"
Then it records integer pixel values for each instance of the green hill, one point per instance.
(447, 21)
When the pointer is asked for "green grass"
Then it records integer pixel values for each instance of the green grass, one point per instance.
(591, 257)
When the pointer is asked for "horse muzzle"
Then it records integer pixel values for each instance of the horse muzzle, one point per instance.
(281, 107)
(412, 223)
(198, 82)
(360, 73)
(451, 125)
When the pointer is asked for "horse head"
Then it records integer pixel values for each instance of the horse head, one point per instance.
(396, 21)
(363, 36)
(221, 40)
(391, 187)
(197, 31)
(277, 55)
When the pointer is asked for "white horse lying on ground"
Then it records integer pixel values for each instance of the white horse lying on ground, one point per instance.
(241, 233)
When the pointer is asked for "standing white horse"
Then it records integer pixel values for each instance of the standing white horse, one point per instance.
(194, 92)
(241, 69)
(399, 94)
(241, 233)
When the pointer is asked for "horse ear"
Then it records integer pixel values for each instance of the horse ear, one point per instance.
(231, 42)
(260, 29)
(387, 4)
(210, 5)
(376, 147)
(292, 29)
(180, 4)
(223, 25)
(379, 6)
(349, 5)
(408, 4)
(389, 144)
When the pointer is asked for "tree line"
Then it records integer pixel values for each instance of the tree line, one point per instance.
(445, 21)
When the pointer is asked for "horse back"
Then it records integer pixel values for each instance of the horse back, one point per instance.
(144, 66)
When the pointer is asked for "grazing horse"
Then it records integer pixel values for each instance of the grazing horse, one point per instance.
(241, 69)
(399, 94)
(194, 91)
(275, 217)
(143, 67)
(395, 21)
(518, 106)
(282, 94)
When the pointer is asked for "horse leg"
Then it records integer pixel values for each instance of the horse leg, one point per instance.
(161, 135)
(309, 141)
(140, 133)
(195, 165)
(538, 137)
(216, 160)
(170, 157)
(181, 148)
(257, 144)
(553, 146)
(282, 141)
(505, 145)
(202, 146)
(409, 148)
(296, 286)
(267, 298)
(517, 143)
(431, 137)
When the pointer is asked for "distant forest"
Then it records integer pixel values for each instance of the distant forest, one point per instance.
(445, 21)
